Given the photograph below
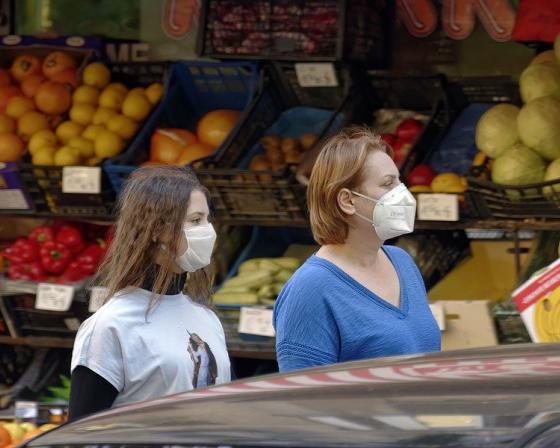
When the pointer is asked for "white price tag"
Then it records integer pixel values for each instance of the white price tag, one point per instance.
(72, 323)
(316, 74)
(53, 297)
(81, 179)
(13, 199)
(438, 207)
(26, 410)
(98, 295)
(439, 314)
(257, 321)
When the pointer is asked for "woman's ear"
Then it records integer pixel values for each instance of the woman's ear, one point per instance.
(345, 200)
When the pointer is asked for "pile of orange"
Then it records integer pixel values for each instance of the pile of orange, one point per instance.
(34, 95)
(173, 146)
(62, 120)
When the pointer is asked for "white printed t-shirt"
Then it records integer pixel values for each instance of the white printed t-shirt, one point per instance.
(151, 358)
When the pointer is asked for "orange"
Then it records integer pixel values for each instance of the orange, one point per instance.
(30, 123)
(5, 438)
(215, 126)
(57, 62)
(53, 98)
(7, 124)
(5, 77)
(24, 66)
(11, 148)
(68, 77)
(19, 105)
(31, 84)
(194, 152)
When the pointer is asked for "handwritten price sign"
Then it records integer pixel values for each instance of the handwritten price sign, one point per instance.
(257, 321)
(438, 207)
(316, 75)
(81, 179)
(52, 297)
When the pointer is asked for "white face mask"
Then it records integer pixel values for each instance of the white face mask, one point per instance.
(393, 214)
(200, 241)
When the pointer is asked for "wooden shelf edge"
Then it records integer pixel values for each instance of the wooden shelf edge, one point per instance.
(32, 341)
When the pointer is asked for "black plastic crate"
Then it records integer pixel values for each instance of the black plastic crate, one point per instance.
(486, 199)
(44, 183)
(325, 30)
(244, 197)
(44, 186)
(27, 321)
(428, 94)
(491, 200)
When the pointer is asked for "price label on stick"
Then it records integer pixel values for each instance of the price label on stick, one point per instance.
(257, 321)
(438, 207)
(439, 314)
(51, 297)
(81, 179)
(13, 199)
(316, 75)
(98, 295)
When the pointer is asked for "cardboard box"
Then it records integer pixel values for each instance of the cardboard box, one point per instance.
(538, 301)
(468, 324)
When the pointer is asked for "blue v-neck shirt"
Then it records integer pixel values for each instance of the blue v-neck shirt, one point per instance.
(324, 316)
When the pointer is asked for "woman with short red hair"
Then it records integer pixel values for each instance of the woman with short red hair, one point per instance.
(356, 298)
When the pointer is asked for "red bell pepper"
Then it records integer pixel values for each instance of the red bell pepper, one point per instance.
(72, 273)
(42, 234)
(90, 259)
(27, 271)
(22, 251)
(55, 257)
(71, 237)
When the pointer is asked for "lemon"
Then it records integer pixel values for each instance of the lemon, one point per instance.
(111, 99)
(82, 113)
(67, 156)
(103, 115)
(154, 92)
(30, 123)
(19, 105)
(68, 130)
(118, 87)
(136, 90)
(86, 94)
(83, 145)
(93, 161)
(92, 131)
(41, 139)
(108, 144)
(136, 106)
(97, 75)
(122, 126)
(44, 156)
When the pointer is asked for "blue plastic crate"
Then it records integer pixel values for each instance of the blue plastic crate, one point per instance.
(193, 88)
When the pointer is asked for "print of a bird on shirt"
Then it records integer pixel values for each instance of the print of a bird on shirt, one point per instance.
(205, 367)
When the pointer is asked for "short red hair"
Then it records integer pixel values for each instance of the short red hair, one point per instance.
(339, 165)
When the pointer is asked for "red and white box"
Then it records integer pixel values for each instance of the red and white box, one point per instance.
(538, 301)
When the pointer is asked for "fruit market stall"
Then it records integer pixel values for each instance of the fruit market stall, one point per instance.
(479, 152)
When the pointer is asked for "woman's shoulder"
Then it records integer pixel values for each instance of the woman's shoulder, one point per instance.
(315, 274)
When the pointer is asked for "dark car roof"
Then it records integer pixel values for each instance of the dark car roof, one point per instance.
(485, 397)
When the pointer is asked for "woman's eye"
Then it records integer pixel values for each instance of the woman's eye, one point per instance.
(196, 221)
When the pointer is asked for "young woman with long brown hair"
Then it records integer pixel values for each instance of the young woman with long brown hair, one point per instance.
(137, 346)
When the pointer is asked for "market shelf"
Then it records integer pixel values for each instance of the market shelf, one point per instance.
(102, 219)
(47, 342)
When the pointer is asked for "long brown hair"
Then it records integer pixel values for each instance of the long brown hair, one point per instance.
(151, 211)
